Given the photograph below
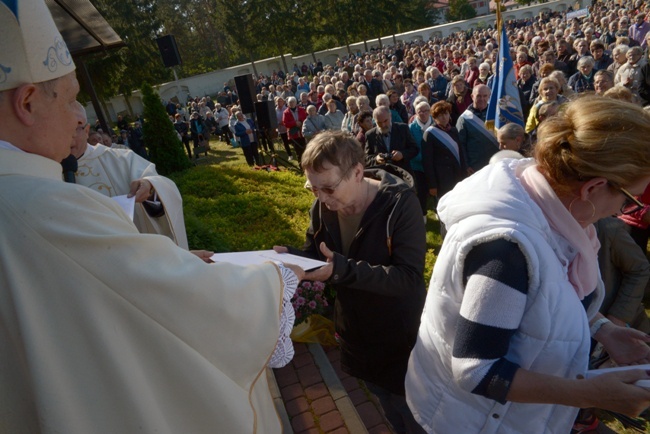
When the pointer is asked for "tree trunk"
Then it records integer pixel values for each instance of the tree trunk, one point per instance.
(128, 105)
(284, 63)
(250, 54)
(109, 121)
(313, 56)
(394, 39)
(365, 45)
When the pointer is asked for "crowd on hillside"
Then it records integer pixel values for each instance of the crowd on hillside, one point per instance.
(562, 57)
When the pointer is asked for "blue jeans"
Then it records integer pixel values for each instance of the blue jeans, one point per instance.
(396, 410)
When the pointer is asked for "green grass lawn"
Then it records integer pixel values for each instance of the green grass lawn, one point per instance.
(231, 207)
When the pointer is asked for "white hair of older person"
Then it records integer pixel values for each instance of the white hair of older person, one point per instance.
(382, 100)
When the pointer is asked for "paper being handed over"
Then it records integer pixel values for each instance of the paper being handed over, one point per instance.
(261, 256)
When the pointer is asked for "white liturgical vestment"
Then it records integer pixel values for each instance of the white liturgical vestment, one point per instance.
(110, 172)
(105, 330)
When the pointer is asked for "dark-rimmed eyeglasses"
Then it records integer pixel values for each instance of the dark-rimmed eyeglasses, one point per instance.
(329, 190)
(631, 204)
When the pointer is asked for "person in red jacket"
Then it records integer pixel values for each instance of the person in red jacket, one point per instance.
(292, 118)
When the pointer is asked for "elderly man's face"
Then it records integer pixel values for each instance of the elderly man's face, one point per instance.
(58, 115)
(481, 97)
(382, 120)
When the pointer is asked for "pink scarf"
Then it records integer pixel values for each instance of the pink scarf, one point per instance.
(583, 270)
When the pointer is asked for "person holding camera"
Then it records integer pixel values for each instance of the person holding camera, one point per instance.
(389, 142)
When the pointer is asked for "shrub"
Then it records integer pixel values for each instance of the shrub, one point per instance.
(165, 148)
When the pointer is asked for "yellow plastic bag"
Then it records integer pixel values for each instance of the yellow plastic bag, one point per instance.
(315, 330)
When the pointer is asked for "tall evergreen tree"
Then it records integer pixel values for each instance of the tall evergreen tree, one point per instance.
(165, 148)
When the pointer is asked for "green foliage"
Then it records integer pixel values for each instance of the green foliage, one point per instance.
(165, 148)
(213, 34)
(460, 10)
(122, 71)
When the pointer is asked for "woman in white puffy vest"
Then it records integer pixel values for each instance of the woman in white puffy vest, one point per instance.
(515, 292)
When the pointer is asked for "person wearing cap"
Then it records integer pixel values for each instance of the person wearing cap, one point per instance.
(105, 329)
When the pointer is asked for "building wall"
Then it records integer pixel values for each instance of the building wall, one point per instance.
(212, 83)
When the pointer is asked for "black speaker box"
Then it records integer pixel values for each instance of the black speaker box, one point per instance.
(266, 117)
(169, 50)
(246, 92)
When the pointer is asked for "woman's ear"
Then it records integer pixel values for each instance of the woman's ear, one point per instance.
(591, 186)
(358, 172)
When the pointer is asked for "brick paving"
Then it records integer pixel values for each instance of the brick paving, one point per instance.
(314, 407)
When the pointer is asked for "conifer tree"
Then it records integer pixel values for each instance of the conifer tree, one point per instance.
(165, 148)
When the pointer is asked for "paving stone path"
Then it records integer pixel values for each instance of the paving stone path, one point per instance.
(319, 398)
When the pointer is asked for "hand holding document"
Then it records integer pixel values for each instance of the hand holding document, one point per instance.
(261, 256)
(641, 383)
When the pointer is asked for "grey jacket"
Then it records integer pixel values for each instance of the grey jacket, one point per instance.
(625, 271)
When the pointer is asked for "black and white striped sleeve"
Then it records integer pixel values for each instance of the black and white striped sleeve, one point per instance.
(496, 284)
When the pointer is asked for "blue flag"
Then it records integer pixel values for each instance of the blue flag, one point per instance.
(505, 104)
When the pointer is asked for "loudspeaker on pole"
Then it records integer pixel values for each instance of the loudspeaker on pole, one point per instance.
(266, 117)
(246, 92)
(169, 50)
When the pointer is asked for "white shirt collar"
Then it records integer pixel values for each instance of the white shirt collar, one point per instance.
(9, 146)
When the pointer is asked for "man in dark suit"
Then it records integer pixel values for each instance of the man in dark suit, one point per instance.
(389, 139)
(374, 87)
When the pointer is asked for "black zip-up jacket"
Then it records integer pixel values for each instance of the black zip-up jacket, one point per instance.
(379, 287)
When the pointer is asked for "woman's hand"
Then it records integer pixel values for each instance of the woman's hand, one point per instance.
(280, 249)
(626, 346)
(295, 268)
(616, 391)
(300, 273)
(323, 273)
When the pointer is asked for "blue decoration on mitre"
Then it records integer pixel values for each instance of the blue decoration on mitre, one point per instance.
(31, 47)
(12, 5)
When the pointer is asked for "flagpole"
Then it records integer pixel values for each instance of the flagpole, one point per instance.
(505, 102)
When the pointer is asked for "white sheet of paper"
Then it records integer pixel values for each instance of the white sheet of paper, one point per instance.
(261, 256)
(595, 372)
(127, 204)
(640, 383)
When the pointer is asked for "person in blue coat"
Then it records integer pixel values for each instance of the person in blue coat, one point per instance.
(245, 131)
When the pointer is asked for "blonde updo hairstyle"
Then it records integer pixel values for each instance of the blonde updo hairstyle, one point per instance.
(594, 137)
